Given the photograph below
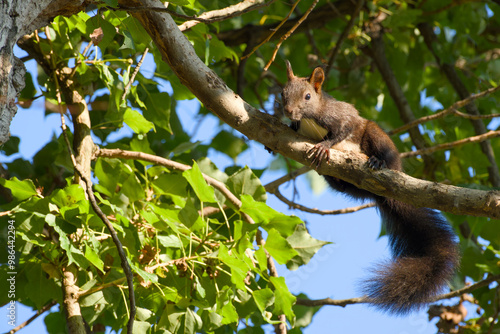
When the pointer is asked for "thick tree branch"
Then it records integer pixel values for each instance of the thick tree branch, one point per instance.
(268, 130)
(18, 18)
(74, 320)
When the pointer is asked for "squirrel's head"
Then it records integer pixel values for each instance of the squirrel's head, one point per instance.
(302, 96)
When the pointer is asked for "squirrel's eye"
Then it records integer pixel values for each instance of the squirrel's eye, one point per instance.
(308, 96)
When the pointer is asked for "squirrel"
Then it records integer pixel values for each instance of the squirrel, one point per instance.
(423, 244)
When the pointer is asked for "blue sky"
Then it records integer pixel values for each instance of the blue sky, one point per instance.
(334, 272)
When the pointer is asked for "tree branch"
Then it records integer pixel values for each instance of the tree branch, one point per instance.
(343, 36)
(360, 300)
(272, 186)
(471, 108)
(74, 320)
(228, 12)
(117, 153)
(36, 315)
(83, 145)
(257, 33)
(273, 31)
(453, 144)
(268, 130)
(300, 207)
(271, 266)
(290, 32)
(450, 110)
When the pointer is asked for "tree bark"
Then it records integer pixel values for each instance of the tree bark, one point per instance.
(74, 319)
(18, 18)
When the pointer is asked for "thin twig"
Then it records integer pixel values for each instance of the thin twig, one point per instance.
(300, 207)
(329, 301)
(119, 247)
(36, 315)
(132, 78)
(487, 281)
(450, 110)
(227, 13)
(271, 186)
(271, 266)
(453, 144)
(117, 153)
(364, 299)
(161, 10)
(273, 31)
(448, 69)
(290, 32)
(343, 36)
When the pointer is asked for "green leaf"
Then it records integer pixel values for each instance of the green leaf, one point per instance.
(169, 241)
(305, 245)
(69, 196)
(141, 326)
(229, 314)
(136, 121)
(238, 268)
(192, 322)
(93, 299)
(279, 248)
(11, 146)
(128, 42)
(148, 277)
(260, 212)
(263, 298)
(41, 289)
(304, 314)
(158, 109)
(203, 191)
(286, 225)
(93, 258)
(170, 184)
(185, 147)
(21, 190)
(245, 182)
(169, 218)
(132, 188)
(109, 172)
(283, 299)
(229, 144)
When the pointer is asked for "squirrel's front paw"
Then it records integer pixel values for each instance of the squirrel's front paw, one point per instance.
(318, 152)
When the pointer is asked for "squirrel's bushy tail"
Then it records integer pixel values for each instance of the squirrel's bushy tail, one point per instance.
(425, 256)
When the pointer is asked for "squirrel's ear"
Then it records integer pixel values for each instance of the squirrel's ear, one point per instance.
(317, 78)
(289, 71)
